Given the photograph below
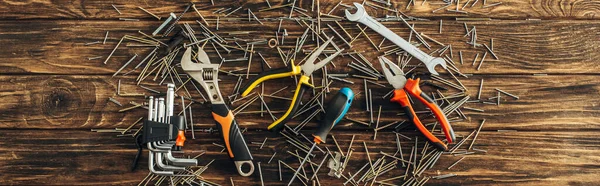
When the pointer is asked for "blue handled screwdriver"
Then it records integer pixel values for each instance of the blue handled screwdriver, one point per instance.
(338, 106)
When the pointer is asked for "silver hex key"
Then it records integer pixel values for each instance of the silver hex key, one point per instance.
(162, 134)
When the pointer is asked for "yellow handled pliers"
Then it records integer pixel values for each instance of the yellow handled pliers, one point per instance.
(303, 84)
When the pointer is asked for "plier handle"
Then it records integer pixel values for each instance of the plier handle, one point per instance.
(403, 86)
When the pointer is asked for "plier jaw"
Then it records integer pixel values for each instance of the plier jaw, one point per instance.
(402, 86)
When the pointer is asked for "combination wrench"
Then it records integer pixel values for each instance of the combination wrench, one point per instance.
(361, 16)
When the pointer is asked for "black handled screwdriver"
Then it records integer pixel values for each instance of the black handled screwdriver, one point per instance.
(338, 106)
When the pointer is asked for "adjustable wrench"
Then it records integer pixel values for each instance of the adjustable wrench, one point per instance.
(361, 16)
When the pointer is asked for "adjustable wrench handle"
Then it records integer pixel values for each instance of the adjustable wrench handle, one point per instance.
(232, 136)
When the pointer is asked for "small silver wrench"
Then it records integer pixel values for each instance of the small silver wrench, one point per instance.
(361, 16)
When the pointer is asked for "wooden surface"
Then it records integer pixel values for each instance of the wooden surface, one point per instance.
(52, 95)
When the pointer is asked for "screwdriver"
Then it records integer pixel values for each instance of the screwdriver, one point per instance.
(338, 106)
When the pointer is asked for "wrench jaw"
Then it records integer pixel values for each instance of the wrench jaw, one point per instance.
(434, 62)
(360, 13)
(205, 74)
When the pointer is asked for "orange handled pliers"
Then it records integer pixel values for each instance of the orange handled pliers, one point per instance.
(402, 85)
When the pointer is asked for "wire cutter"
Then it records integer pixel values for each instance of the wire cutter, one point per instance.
(206, 74)
(303, 84)
(402, 85)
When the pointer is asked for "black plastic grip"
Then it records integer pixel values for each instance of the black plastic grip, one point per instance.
(432, 139)
(173, 42)
(336, 108)
(294, 105)
(232, 136)
(156, 131)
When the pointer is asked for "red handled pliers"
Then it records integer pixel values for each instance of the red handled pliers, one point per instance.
(402, 85)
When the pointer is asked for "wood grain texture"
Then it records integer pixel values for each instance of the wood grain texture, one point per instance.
(52, 95)
(71, 157)
(509, 9)
(523, 47)
(70, 102)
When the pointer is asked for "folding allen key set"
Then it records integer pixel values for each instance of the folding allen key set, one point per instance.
(162, 134)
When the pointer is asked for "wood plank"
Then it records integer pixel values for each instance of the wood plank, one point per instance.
(523, 47)
(509, 9)
(70, 102)
(512, 158)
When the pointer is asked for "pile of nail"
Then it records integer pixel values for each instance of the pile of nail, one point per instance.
(160, 66)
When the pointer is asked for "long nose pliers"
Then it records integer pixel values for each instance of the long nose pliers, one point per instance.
(396, 77)
(303, 83)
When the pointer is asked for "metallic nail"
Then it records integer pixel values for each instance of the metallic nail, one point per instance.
(263, 143)
(115, 101)
(473, 109)
(444, 176)
(113, 51)
(370, 107)
(260, 173)
(481, 62)
(508, 94)
(125, 65)
(279, 165)
(377, 123)
(476, 134)
(368, 156)
(337, 145)
(93, 58)
(271, 158)
(480, 88)
(115, 7)
(148, 12)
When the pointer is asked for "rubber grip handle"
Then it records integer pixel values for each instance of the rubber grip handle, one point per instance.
(336, 109)
(402, 98)
(232, 136)
(303, 85)
(266, 75)
(412, 86)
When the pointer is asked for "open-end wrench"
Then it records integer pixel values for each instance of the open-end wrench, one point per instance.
(361, 16)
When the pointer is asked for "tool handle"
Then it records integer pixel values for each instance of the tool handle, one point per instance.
(412, 86)
(402, 98)
(303, 85)
(173, 42)
(232, 136)
(335, 111)
(266, 75)
(179, 122)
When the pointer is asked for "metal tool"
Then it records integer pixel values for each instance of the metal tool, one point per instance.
(401, 84)
(206, 74)
(334, 164)
(336, 110)
(361, 16)
(303, 83)
(163, 131)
